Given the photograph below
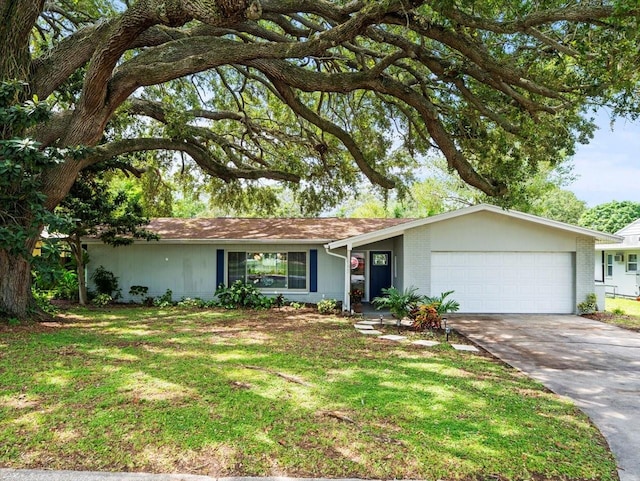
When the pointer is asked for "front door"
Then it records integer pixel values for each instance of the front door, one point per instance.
(379, 272)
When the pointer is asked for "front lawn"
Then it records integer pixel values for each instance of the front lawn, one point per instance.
(622, 312)
(278, 392)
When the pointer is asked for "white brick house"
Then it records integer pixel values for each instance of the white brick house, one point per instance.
(495, 261)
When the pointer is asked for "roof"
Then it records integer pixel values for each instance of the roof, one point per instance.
(631, 236)
(400, 228)
(316, 230)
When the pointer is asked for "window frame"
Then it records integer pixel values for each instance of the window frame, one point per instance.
(634, 263)
(245, 254)
(609, 266)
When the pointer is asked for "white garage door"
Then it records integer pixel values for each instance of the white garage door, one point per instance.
(506, 282)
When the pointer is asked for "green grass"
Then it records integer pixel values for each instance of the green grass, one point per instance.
(623, 313)
(275, 393)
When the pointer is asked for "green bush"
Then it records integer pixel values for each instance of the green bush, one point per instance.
(589, 306)
(66, 286)
(102, 300)
(106, 282)
(43, 300)
(191, 303)
(399, 303)
(327, 306)
(139, 291)
(165, 300)
(241, 294)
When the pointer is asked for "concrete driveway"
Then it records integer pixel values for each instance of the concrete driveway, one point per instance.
(595, 364)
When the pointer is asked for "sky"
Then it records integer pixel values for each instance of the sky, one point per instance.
(608, 168)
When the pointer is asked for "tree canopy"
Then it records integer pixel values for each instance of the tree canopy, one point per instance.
(611, 216)
(316, 94)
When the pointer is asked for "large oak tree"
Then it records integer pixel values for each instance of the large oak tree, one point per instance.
(313, 93)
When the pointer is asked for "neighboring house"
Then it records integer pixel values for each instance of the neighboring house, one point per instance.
(617, 264)
(496, 261)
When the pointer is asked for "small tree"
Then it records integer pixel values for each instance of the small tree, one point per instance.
(91, 209)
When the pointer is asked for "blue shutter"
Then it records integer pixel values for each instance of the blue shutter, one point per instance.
(313, 270)
(219, 267)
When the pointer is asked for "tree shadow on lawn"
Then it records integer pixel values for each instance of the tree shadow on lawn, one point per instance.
(276, 393)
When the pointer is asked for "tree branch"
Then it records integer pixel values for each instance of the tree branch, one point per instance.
(199, 154)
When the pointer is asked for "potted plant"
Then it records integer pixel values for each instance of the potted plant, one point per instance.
(356, 296)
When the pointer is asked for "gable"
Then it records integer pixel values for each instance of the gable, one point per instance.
(489, 231)
(487, 222)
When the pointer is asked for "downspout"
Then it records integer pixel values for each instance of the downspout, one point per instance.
(346, 301)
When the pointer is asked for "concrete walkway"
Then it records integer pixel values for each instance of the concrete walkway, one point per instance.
(594, 364)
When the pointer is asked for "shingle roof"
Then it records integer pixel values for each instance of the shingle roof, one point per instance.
(317, 229)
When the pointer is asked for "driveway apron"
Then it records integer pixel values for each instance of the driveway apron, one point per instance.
(594, 364)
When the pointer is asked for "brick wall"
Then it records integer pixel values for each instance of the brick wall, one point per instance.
(417, 259)
(585, 283)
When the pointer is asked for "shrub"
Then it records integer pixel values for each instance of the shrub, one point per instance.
(241, 294)
(296, 305)
(140, 291)
(279, 301)
(165, 300)
(590, 305)
(43, 301)
(102, 300)
(106, 282)
(441, 304)
(327, 306)
(618, 311)
(66, 286)
(191, 303)
(426, 316)
(399, 303)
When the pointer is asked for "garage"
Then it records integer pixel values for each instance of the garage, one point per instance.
(506, 282)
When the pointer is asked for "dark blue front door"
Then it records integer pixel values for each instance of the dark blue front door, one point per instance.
(379, 272)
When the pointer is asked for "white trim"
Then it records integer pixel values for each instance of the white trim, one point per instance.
(617, 247)
(400, 229)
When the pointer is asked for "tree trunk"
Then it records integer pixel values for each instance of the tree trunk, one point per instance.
(16, 299)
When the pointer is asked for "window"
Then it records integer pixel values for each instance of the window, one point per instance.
(269, 270)
(609, 265)
(632, 263)
(380, 259)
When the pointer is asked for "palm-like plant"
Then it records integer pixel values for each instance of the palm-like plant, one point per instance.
(441, 304)
(399, 303)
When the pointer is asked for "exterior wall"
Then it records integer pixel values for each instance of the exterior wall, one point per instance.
(331, 280)
(585, 283)
(488, 231)
(622, 283)
(416, 269)
(189, 270)
(491, 232)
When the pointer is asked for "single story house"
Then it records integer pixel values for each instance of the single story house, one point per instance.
(616, 264)
(495, 260)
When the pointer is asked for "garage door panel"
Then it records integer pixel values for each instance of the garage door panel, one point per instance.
(511, 282)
